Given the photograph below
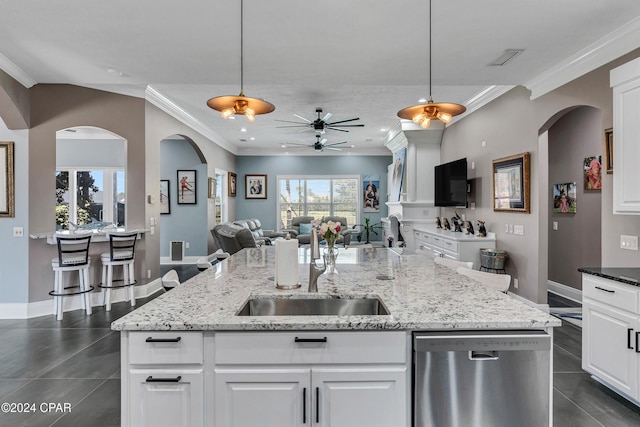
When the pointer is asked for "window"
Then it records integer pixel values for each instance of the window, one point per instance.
(86, 196)
(221, 197)
(318, 196)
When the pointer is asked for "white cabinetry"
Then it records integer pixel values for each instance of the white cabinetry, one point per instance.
(452, 245)
(162, 379)
(611, 333)
(310, 378)
(625, 81)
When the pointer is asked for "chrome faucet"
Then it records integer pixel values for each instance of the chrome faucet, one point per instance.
(314, 270)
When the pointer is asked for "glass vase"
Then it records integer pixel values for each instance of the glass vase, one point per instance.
(330, 255)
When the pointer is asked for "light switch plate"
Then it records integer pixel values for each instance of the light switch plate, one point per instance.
(555, 225)
(18, 231)
(629, 242)
(518, 229)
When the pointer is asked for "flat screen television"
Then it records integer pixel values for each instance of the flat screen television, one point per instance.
(451, 184)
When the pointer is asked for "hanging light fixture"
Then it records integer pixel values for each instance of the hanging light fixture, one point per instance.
(424, 113)
(229, 105)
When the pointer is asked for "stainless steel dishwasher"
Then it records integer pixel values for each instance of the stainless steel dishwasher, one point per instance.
(481, 378)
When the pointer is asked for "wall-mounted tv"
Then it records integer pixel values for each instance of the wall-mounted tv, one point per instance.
(451, 184)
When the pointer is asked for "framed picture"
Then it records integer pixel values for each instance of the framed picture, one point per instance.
(255, 186)
(187, 187)
(592, 168)
(7, 189)
(165, 199)
(511, 184)
(371, 197)
(212, 188)
(608, 150)
(233, 184)
(564, 198)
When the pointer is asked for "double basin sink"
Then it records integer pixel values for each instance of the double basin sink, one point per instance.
(313, 307)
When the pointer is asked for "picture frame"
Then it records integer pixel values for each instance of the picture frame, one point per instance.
(592, 171)
(165, 197)
(564, 198)
(187, 189)
(7, 184)
(255, 186)
(212, 188)
(232, 184)
(608, 150)
(512, 184)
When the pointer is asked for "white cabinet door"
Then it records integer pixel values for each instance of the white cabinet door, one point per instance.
(262, 397)
(607, 334)
(166, 397)
(352, 397)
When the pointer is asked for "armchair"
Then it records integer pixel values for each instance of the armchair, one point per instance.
(303, 238)
(345, 232)
(232, 237)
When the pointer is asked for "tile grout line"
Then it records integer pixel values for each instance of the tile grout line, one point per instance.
(79, 402)
(578, 406)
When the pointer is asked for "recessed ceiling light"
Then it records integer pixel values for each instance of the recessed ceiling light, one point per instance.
(421, 100)
(115, 71)
(231, 117)
(353, 146)
(253, 138)
(283, 146)
(243, 129)
(383, 130)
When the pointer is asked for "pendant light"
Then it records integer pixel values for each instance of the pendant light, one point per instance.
(229, 105)
(424, 113)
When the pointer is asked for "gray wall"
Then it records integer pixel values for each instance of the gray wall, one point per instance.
(273, 166)
(178, 154)
(578, 239)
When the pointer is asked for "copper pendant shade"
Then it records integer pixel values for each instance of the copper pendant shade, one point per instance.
(424, 113)
(229, 105)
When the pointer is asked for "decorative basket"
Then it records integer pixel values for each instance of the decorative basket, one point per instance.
(493, 259)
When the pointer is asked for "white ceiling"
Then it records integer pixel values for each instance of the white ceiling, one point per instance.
(353, 58)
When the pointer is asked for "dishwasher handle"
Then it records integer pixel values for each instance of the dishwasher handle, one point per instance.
(479, 355)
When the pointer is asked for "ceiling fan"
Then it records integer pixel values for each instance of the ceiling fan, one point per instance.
(321, 145)
(321, 124)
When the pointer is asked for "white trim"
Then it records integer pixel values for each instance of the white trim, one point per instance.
(615, 44)
(166, 260)
(14, 71)
(45, 308)
(157, 98)
(481, 99)
(565, 291)
(543, 307)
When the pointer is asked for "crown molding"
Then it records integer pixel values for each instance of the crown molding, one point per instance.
(481, 99)
(161, 101)
(612, 46)
(14, 71)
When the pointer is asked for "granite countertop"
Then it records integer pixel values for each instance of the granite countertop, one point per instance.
(628, 275)
(419, 295)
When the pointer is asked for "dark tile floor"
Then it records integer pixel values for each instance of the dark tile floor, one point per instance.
(77, 361)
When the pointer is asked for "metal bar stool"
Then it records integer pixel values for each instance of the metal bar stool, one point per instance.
(122, 247)
(73, 255)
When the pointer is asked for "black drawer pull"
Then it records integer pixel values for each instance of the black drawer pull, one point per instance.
(304, 405)
(317, 404)
(323, 339)
(637, 335)
(629, 331)
(151, 339)
(606, 290)
(150, 379)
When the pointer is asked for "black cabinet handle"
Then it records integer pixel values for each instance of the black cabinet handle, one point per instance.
(304, 405)
(323, 339)
(637, 339)
(151, 339)
(629, 330)
(317, 404)
(606, 290)
(150, 379)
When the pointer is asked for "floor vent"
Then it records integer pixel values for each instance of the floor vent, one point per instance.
(176, 250)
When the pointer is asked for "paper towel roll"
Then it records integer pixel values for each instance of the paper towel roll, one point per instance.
(287, 264)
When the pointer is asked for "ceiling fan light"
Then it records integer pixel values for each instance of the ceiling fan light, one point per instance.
(425, 123)
(250, 114)
(228, 112)
(418, 117)
(445, 117)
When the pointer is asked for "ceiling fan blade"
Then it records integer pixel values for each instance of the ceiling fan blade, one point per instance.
(323, 141)
(335, 143)
(339, 130)
(327, 117)
(343, 121)
(292, 126)
(333, 148)
(297, 143)
(291, 121)
(347, 126)
(302, 118)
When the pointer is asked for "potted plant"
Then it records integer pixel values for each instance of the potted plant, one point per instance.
(367, 229)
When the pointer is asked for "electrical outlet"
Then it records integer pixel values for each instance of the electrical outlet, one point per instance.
(555, 225)
(473, 165)
(18, 231)
(148, 274)
(515, 283)
(506, 228)
(511, 228)
(484, 143)
(186, 245)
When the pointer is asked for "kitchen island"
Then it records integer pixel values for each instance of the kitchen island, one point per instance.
(189, 351)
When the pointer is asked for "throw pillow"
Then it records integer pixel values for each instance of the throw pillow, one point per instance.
(305, 228)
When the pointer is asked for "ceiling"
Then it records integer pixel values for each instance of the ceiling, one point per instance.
(355, 58)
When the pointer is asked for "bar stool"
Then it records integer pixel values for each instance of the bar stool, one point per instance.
(73, 255)
(122, 247)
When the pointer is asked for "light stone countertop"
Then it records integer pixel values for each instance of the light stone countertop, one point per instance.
(421, 296)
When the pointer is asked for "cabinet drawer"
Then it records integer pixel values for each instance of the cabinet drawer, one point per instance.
(165, 347)
(447, 244)
(609, 292)
(332, 347)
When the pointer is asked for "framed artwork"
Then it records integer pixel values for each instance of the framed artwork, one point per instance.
(371, 196)
(212, 188)
(608, 150)
(564, 198)
(397, 175)
(592, 167)
(233, 184)
(511, 184)
(165, 199)
(255, 186)
(187, 187)
(7, 188)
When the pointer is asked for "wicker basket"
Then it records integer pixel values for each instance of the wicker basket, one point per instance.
(493, 259)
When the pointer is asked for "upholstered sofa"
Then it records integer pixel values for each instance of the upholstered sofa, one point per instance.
(231, 237)
(263, 237)
(305, 238)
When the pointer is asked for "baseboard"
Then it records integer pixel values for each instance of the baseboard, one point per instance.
(44, 308)
(565, 291)
(543, 307)
(165, 260)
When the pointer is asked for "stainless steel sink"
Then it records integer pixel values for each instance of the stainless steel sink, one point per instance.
(313, 307)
